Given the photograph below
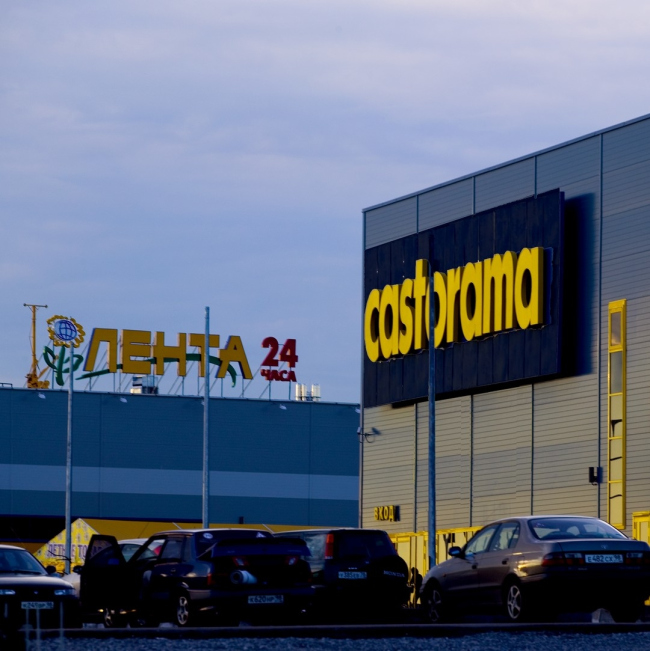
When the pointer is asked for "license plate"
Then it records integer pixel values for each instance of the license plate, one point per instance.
(604, 558)
(353, 575)
(265, 599)
(37, 605)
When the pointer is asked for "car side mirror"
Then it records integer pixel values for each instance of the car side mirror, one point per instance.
(455, 551)
(50, 569)
(77, 569)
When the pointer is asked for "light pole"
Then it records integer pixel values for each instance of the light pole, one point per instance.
(206, 425)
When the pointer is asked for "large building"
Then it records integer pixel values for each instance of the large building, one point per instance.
(139, 458)
(542, 360)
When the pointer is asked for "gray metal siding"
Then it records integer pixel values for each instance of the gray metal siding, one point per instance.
(502, 442)
(390, 222)
(568, 165)
(565, 445)
(626, 146)
(453, 463)
(506, 184)
(389, 465)
(627, 188)
(445, 204)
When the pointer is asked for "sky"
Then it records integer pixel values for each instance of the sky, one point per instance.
(160, 157)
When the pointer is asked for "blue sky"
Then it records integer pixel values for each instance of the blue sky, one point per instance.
(160, 157)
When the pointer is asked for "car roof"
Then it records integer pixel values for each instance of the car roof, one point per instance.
(22, 549)
(192, 531)
(330, 530)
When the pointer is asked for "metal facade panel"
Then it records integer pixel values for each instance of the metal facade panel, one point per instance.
(502, 454)
(453, 463)
(505, 184)
(626, 146)
(626, 189)
(390, 222)
(331, 431)
(565, 445)
(626, 234)
(568, 165)
(445, 204)
(389, 465)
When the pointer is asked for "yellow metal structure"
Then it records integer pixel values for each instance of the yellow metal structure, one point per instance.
(412, 547)
(616, 417)
(34, 377)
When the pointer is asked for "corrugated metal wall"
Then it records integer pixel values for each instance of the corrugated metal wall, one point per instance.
(389, 465)
(141, 457)
(552, 432)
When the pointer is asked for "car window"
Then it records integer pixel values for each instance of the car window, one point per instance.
(16, 560)
(364, 544)
(481, 541)
(128, 549)
(571, 528)
(152, 549)
(506, 537)
(173, 549)
(204, 540)
(316, 544)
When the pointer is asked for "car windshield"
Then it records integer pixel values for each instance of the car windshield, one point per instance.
(17, 561)
(204, 540)
(571, 529)
(364, 544)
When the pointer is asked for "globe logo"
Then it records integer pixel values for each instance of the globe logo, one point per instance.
(65, 330)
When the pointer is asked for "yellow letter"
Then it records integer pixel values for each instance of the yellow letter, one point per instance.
(234, 352)
(454, 280)
(528, 287)
(389, 326)
(110, 337)
(199, 341)
(498, 307)
(406, 317)
(179, 352)
(136, 343)
(471, 304)
(371, 325)
(376, 513)
(420, 288)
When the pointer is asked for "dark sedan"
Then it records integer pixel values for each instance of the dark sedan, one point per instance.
(29, 595)
(537, 566)
(192, 576)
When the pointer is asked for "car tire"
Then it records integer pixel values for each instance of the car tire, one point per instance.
(516, 606)
(433, 604)
(627, 612)
(183, 613)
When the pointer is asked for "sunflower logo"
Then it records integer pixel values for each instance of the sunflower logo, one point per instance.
(65, 331)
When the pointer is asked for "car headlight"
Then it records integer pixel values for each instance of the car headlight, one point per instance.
(6, 592)
(63, 592)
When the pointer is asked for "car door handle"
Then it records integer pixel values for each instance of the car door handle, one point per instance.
(504, 561)
(474, 566)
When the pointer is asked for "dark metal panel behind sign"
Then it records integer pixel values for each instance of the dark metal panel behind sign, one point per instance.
(508, 358)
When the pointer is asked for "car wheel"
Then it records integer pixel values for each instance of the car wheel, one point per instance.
(433, 604)
(628, 612)
(516, 608)
(183, 614)
(112, 619)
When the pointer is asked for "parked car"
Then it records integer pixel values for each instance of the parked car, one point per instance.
(537, 566)
(187, 576)
(355, 571)
(30, 595)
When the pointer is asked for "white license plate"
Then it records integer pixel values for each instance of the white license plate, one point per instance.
(265, 599)
(353, 575)
(37, 605)
(604, 558)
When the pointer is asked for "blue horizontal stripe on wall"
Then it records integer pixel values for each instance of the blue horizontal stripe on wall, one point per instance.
(146, 481)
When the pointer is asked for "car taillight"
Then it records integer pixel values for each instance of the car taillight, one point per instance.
(211, 580)
(574, 558)
(329, 547)
(240, 561)
(554, 558)
(635, 558)
(291, 560)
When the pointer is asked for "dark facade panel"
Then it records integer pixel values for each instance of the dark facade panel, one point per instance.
(505, 184)
(390, 222)
(445, 204)
(626, 233)
(627, 188)
(626, 146)
(568, 165)
(506, 358)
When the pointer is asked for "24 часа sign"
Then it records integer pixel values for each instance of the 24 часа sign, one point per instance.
(498, 296)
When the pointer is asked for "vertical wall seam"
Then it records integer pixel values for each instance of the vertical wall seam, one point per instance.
(471, 460)
(361, 406)
(532, 443)
(600, 319)
(415, 470)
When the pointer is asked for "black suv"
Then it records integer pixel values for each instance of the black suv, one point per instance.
(218, 575)
(355, 571)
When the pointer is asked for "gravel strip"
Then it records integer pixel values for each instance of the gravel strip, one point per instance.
(480, 642)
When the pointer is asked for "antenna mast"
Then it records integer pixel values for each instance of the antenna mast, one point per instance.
(33, 381)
